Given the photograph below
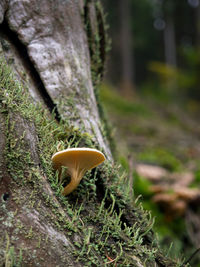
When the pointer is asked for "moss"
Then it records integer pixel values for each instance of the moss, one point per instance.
(99, 45)
(98, 40)
(11, 258)
(162, 157)
(121, 106)
(101, 221)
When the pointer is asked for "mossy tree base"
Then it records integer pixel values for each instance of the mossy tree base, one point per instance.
(91, 226)
(97, 224)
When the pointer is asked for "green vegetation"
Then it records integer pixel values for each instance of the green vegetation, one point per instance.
(119, 105)
(98, 40)
(162, 157)
(155, 107)
(98, 211)
(170, 231)
(154, 137)
(11, 259)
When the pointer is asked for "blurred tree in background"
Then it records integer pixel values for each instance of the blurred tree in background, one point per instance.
(152, 94)
(146, 31)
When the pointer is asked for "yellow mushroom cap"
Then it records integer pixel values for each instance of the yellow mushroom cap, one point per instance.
(84, 158)
(77, 161)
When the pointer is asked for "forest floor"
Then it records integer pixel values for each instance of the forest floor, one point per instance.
(158, 141)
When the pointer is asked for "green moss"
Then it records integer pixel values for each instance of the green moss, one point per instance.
(98, 40)
(99, 45)
(11, 258)
(196, 182)
(142, 186)
(162, 157)
(120, 105)
(98, 212)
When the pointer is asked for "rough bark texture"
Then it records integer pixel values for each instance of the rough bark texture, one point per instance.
(46, 45)
(22, 223)
(51, 39)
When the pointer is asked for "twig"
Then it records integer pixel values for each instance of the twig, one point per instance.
(190, 258)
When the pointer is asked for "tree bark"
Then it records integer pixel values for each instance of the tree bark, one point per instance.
(127, 58)
(170, 42)
(46, 46)
(197, 19)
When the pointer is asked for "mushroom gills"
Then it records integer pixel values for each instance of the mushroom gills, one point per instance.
(76, 161)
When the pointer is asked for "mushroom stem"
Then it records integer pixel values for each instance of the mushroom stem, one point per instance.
(75, 180)
(76, 162)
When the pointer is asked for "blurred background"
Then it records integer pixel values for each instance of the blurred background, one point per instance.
(151, 94)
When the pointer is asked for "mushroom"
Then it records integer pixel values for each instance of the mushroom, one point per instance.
(77, 161)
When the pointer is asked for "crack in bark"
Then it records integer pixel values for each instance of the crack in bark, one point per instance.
(21, 49)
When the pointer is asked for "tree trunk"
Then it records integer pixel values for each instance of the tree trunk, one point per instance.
(46, 46)
(197, 19)
(126, 49)
(170, 42)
